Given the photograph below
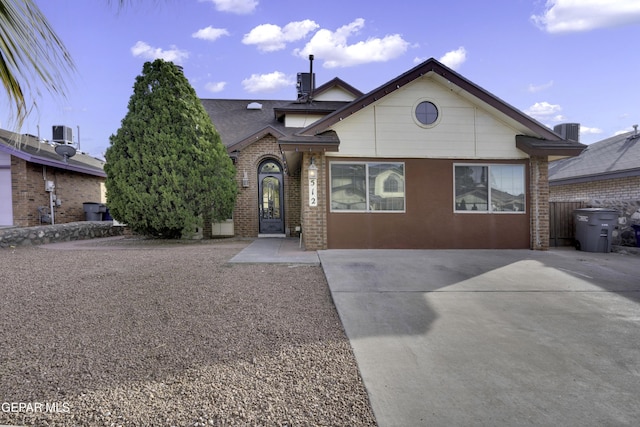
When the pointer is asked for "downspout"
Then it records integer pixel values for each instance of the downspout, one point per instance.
(51, 212)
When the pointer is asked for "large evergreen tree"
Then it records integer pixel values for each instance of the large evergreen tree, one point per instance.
(166, 166)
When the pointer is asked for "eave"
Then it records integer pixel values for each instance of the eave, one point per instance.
(293, 146)
(544, 148)
(629, 173)
(337, 82)
(432, 66)
(245, 142)
(328, 141)
(280, 113)
(70, 165)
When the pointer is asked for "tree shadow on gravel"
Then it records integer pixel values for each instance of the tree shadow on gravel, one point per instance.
(162, 332)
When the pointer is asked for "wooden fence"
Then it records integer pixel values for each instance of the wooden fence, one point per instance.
(561, 227)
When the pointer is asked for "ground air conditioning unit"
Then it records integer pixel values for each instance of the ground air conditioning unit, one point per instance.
(62, 135)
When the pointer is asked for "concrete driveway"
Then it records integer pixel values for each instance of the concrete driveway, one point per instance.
(493, 338)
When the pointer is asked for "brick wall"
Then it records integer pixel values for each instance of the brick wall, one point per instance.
(314, 219)
(621, 194)
(621, 189)
(245, 215)
(539, 204)
(72, 188)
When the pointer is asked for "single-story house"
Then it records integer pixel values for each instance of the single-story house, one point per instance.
(427, 160)
(608, 169)
(605, 175)
(39, 185)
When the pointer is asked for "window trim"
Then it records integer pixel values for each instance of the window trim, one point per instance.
(415, 117)
(367, 186)
(490, 211)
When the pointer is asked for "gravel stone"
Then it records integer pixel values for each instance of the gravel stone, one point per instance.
(135, 332)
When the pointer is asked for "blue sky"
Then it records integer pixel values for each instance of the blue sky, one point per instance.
(557, 60)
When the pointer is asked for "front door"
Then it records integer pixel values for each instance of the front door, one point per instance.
(270, 198)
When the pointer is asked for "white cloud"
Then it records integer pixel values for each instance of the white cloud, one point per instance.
(537, 88)
(545, 111)
(563, 16)
(270, 37)
(332, 47)
(267, 82)
(240, 7)
(143, 50)
(215, 87)
(209, 33)
(584, 130)
(455, 58)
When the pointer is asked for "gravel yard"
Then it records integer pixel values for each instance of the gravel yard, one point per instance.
(138, 332)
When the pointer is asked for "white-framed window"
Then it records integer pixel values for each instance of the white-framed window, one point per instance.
(489, 188)
(426, 113)
(367, 186)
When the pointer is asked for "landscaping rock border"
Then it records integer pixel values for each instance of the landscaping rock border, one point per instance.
(81, 230)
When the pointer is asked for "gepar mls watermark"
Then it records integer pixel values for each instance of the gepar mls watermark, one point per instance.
(35, 407)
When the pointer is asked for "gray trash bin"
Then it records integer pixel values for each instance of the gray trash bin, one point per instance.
(94, 211)
(594, 229)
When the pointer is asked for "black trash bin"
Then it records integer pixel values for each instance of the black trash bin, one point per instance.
(94, 211)
(594, 229)
(636, 228)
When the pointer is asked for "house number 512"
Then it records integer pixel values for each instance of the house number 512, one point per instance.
(313, 192)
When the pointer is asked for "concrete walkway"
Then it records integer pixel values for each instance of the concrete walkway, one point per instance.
(274, 250)
(492, 338)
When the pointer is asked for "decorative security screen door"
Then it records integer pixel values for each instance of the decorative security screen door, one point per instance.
(270, 198)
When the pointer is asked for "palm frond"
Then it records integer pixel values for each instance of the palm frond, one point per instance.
(30, 53)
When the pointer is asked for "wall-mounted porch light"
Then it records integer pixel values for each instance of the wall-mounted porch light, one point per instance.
(313, 169)
(245, 180)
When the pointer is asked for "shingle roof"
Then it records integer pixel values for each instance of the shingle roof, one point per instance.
(614, 157)
(234, 122)
(239, 126)
(27, 147)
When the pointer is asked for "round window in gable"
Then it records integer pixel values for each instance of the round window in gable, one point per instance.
(426, 113)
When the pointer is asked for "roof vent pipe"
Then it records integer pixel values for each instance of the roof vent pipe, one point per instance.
(312, 84)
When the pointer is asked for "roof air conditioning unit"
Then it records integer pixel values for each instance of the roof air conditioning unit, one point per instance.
(568, 131)
(62, 135)
(305, 84)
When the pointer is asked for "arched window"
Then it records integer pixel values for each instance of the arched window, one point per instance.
(391, 184)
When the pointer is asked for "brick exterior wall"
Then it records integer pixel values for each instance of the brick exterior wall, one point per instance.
(245, 215)
(314, 219)
(539, 203)
(620, 194)
(72, 188)
(616, 189)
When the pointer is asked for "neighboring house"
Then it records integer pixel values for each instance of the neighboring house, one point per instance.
(33, 177)
(427, 160)
(606, 174)
(608, 169)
